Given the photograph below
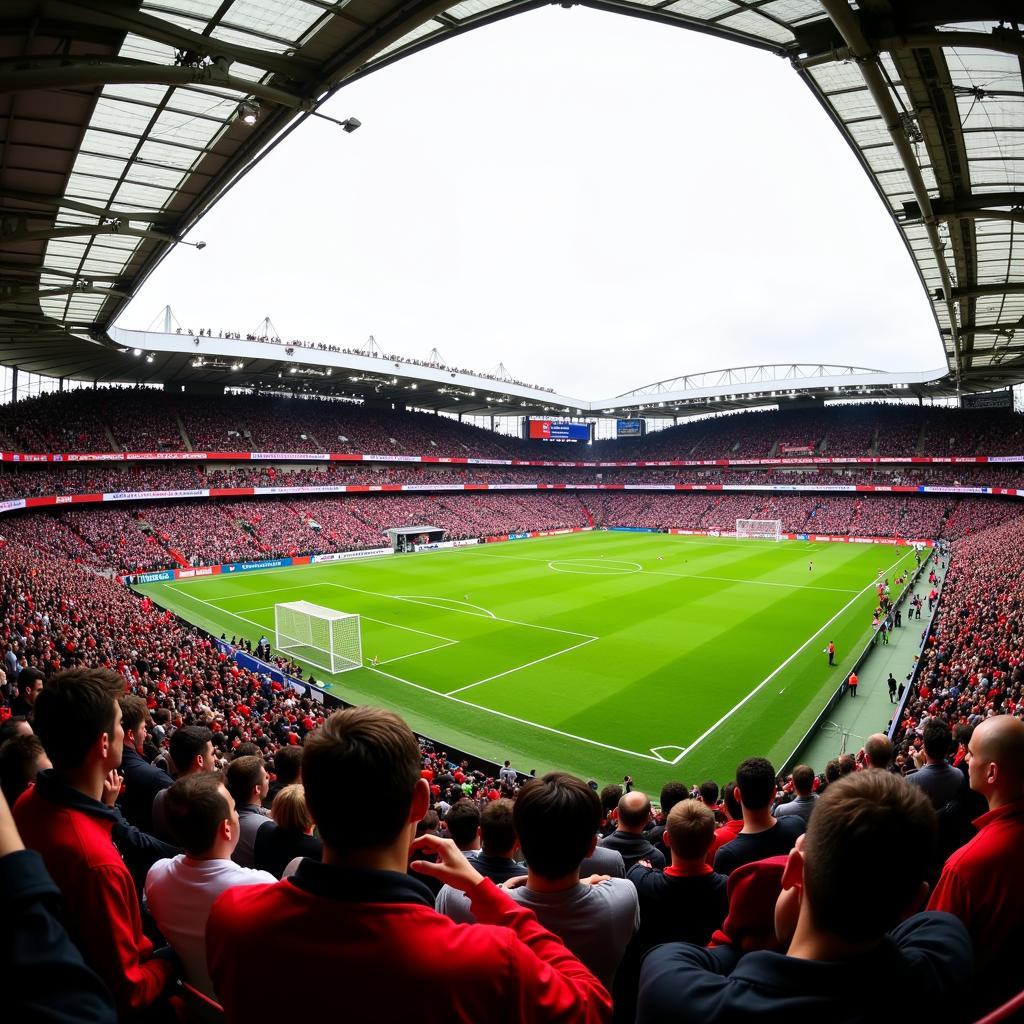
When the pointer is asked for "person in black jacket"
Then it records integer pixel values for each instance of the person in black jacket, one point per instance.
(628, 838)
(842, 917)
(142, 781)
(275, 848)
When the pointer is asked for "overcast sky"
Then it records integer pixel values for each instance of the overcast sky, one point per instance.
(596, 201)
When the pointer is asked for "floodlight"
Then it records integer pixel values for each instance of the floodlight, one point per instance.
(136, 351)
(149, 358)
(249, 111)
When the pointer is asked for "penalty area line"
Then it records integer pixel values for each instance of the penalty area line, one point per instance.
(519, 668)
(521, 721)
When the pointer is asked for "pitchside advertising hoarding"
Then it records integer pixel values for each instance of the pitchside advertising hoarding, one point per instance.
(809, 460)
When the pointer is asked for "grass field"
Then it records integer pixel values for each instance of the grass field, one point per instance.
(599, 653)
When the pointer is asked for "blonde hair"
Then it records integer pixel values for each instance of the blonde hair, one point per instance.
(290, 810)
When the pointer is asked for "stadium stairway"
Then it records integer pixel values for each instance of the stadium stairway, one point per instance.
(185, 439)
(854, 719)
(179, 558)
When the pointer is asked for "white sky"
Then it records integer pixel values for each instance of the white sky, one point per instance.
(597, 201)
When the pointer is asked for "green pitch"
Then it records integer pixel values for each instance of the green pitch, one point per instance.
(599, 653)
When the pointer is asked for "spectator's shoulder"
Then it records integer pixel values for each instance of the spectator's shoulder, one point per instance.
(235, 907)
(938, 946)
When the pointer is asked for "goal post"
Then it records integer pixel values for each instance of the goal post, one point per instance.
(322, 637)
(759, 529)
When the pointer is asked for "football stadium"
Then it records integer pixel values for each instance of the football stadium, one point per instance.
(704, 696)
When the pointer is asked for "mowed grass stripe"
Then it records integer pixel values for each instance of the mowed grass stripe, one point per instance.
(675, 652)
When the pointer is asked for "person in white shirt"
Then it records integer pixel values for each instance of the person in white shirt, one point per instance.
(180, 892)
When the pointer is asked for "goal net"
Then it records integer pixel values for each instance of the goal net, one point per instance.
(759, 529)
(322, 637)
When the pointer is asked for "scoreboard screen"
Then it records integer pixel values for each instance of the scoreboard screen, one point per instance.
(557, 430)
(629, 428)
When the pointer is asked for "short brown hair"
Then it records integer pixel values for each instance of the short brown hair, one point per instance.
(853, 891)
(133, 711)
(556, 818)
(878, 750)
(75, 708)
(195, 808)
(462, 822)
(290, 810)
(243, 777)
(19, 764)
(288, 765)
(497, 829)
(690, 829)
(357, 754)
(803, 779)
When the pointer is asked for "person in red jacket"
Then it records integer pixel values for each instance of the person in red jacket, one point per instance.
(980, 882)
(68, 817)
(366, 929)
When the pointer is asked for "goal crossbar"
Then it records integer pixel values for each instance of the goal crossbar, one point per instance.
(325, 638)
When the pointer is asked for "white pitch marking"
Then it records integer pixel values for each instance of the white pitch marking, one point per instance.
(669, 746)
(679, 575)
(521, 721)
(369, 618)
(427, 599)
(241, 618)
(416, 654)
(583, 567)
(496, 618)
(707, 732)
(519, 668)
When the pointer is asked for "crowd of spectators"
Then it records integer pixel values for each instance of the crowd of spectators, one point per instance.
(146, 419)
(972, 664)
(22, 480)
(141, 536)
(758, 898)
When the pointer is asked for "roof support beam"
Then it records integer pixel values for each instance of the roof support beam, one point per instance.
(84, 74)
(125, 19)
(18, 296)
(63, 202)
(1001, 41)
(1007, 328)
(973, 207)
(22, 234)
(978, 290)
(1005, 42)
(36, 270)
(846, 22)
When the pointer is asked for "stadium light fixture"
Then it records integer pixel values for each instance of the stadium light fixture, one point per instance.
(249, 111)
(149, 357)
(349, 125)
(136, 351)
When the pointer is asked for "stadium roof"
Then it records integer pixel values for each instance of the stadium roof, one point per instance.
(123, 123)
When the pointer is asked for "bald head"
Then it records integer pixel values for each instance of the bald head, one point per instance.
(878, 750)
(634, 812)
(996, 752)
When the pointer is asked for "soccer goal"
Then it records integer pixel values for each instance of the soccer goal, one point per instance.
(322, 637)
(759, 529)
